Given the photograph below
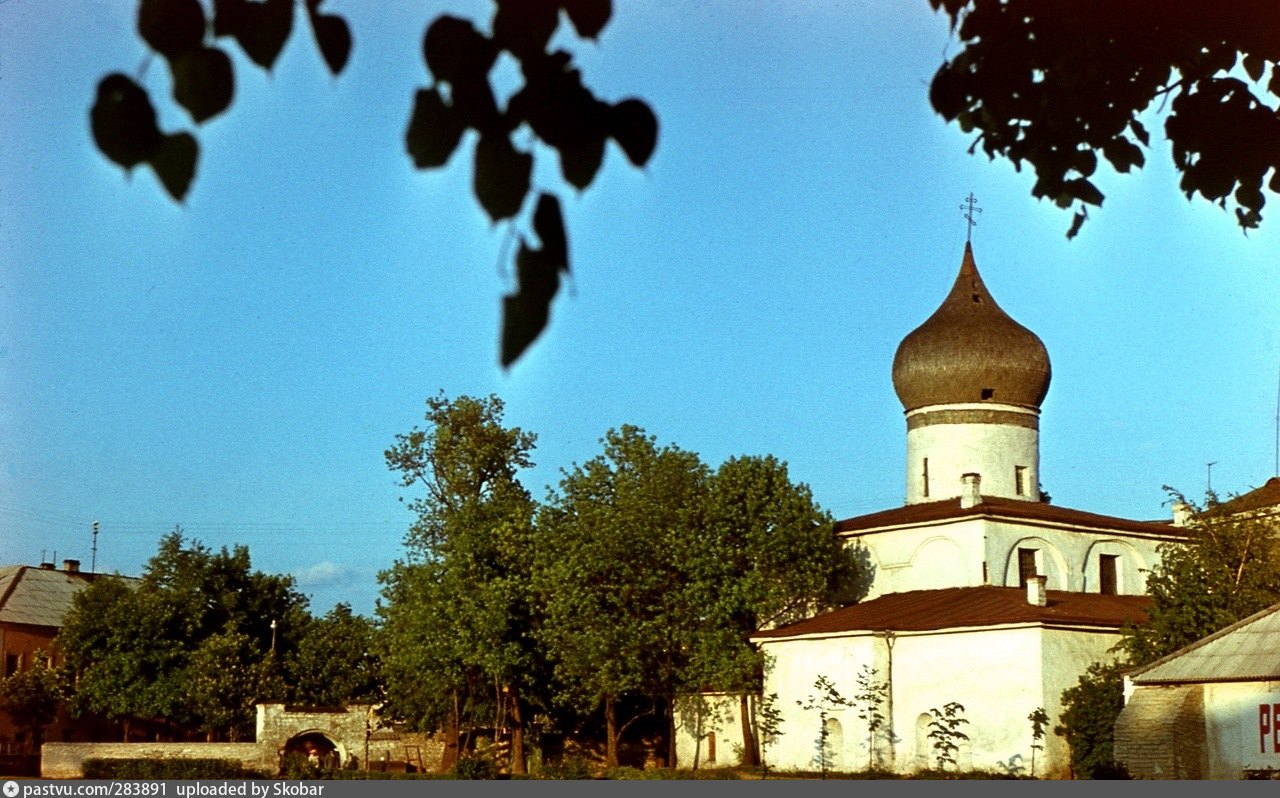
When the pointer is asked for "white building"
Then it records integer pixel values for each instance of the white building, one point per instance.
(982, 594)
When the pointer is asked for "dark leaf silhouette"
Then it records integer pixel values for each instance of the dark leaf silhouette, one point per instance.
(635, 127)
(501, 178)
(171, 27)
(524, 27)
(174, 163)
(123, 121)
(434, 130)
(526, 312)
(262, 28)
(203, 82)
(588, 16)
(333, 37)
(455, 51)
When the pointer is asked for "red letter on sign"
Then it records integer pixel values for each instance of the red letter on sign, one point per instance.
(1264, 726)
(1275, 729)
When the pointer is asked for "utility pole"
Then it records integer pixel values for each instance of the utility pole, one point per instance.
(93, 567)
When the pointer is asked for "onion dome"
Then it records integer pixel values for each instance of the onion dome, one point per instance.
(970, 350)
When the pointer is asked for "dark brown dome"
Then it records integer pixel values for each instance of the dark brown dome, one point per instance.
(969, 350)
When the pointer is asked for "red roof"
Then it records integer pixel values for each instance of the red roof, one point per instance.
(1259, 498)
(958, 607)
(997, 508)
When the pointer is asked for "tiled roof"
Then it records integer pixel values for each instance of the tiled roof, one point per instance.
(997, 508)
(965, 607)
(1259, 498)
(38, 596)
(1244, 651)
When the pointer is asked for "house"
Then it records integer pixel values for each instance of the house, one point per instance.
(33, 603)
(1210, 710)
(983, 595)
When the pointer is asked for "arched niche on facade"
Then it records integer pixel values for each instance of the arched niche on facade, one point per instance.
(1128, 567)
(1049, 563)
(939, 562)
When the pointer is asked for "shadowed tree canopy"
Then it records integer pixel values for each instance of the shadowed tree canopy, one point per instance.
(552, 107)
(1056, 83)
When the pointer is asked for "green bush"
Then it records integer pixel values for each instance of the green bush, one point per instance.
(571, 768)
(180, 769)
(475, 768)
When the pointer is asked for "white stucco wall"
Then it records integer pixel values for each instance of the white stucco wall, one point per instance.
(989, 450)
(953, 554)
(1000, 676)
(1234, 728)
(721, 717)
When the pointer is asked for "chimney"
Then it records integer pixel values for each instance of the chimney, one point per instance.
(71, 566)
(1035, 590)
(47, 566)
(970, 494)
(1181, 513)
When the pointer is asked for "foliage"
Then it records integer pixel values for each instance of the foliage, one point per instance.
(1228, 569)
(31, 697)
(620, 577)
(870, 703)
(336, 661)
(475, 768)
(826, 699)
(570, 768)
(196, 623)
(1055, 84)
(945, 734)
(1089, 712)
(1039, 722)
(458, 609)
(552, 108)
(167, 769)
(770, 725)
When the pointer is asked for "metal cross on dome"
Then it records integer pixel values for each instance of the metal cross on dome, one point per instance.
(969, 209)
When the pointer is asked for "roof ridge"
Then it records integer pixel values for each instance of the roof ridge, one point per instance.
(13, 584)
(1204, 641)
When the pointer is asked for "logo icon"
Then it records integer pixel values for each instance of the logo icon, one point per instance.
(10, 789)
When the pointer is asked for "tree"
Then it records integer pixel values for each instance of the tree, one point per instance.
(1039, 722)
(134, 646)
(1088, 719)
(825, 699)
(337, 661)
(226, 677)
(620, 577)
(458, 610)
(870, 702)
(945, 733)
(1056, 84)
(553, 108)
(31, 698)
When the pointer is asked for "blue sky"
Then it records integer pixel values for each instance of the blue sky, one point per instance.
(237, 365)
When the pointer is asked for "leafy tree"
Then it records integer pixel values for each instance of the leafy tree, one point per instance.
(31, 698)
(337, 661)
(825, 699)
(226, 677)
(1039, 722)
(133, 646)
(870, 702)
(620, 576)
(552, 107)
(945, 733)
(1228, 569)
(458, 610)
(770, 726)
(1088, 720)
(1056, 84)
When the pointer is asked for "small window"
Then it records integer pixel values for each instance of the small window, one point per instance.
(926, 477)
(11, 662)
(1026, 566)
(1020, 480)
(711, 747)
(1107, 574)
(985, 579)
(988, 393)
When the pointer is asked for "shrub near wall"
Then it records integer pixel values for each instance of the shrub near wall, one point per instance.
(180, 769)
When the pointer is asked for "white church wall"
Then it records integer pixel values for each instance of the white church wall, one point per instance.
(1000, 676)
(925, 557)
(712, 736)
(992, 451)
(1070, 555)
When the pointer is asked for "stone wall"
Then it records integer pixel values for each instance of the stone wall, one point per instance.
(66, 760)
(1160, 733)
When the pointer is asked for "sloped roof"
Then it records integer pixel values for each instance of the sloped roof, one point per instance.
(967, 607)
(1267, 496)
(1248, 650)
(38, 596)
(997, 508)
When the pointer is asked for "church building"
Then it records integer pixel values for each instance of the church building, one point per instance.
(983, 596)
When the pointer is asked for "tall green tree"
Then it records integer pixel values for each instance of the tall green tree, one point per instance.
(31, 698)
(133, 645)
(458, 604)
(336, 660)
(620, 575)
